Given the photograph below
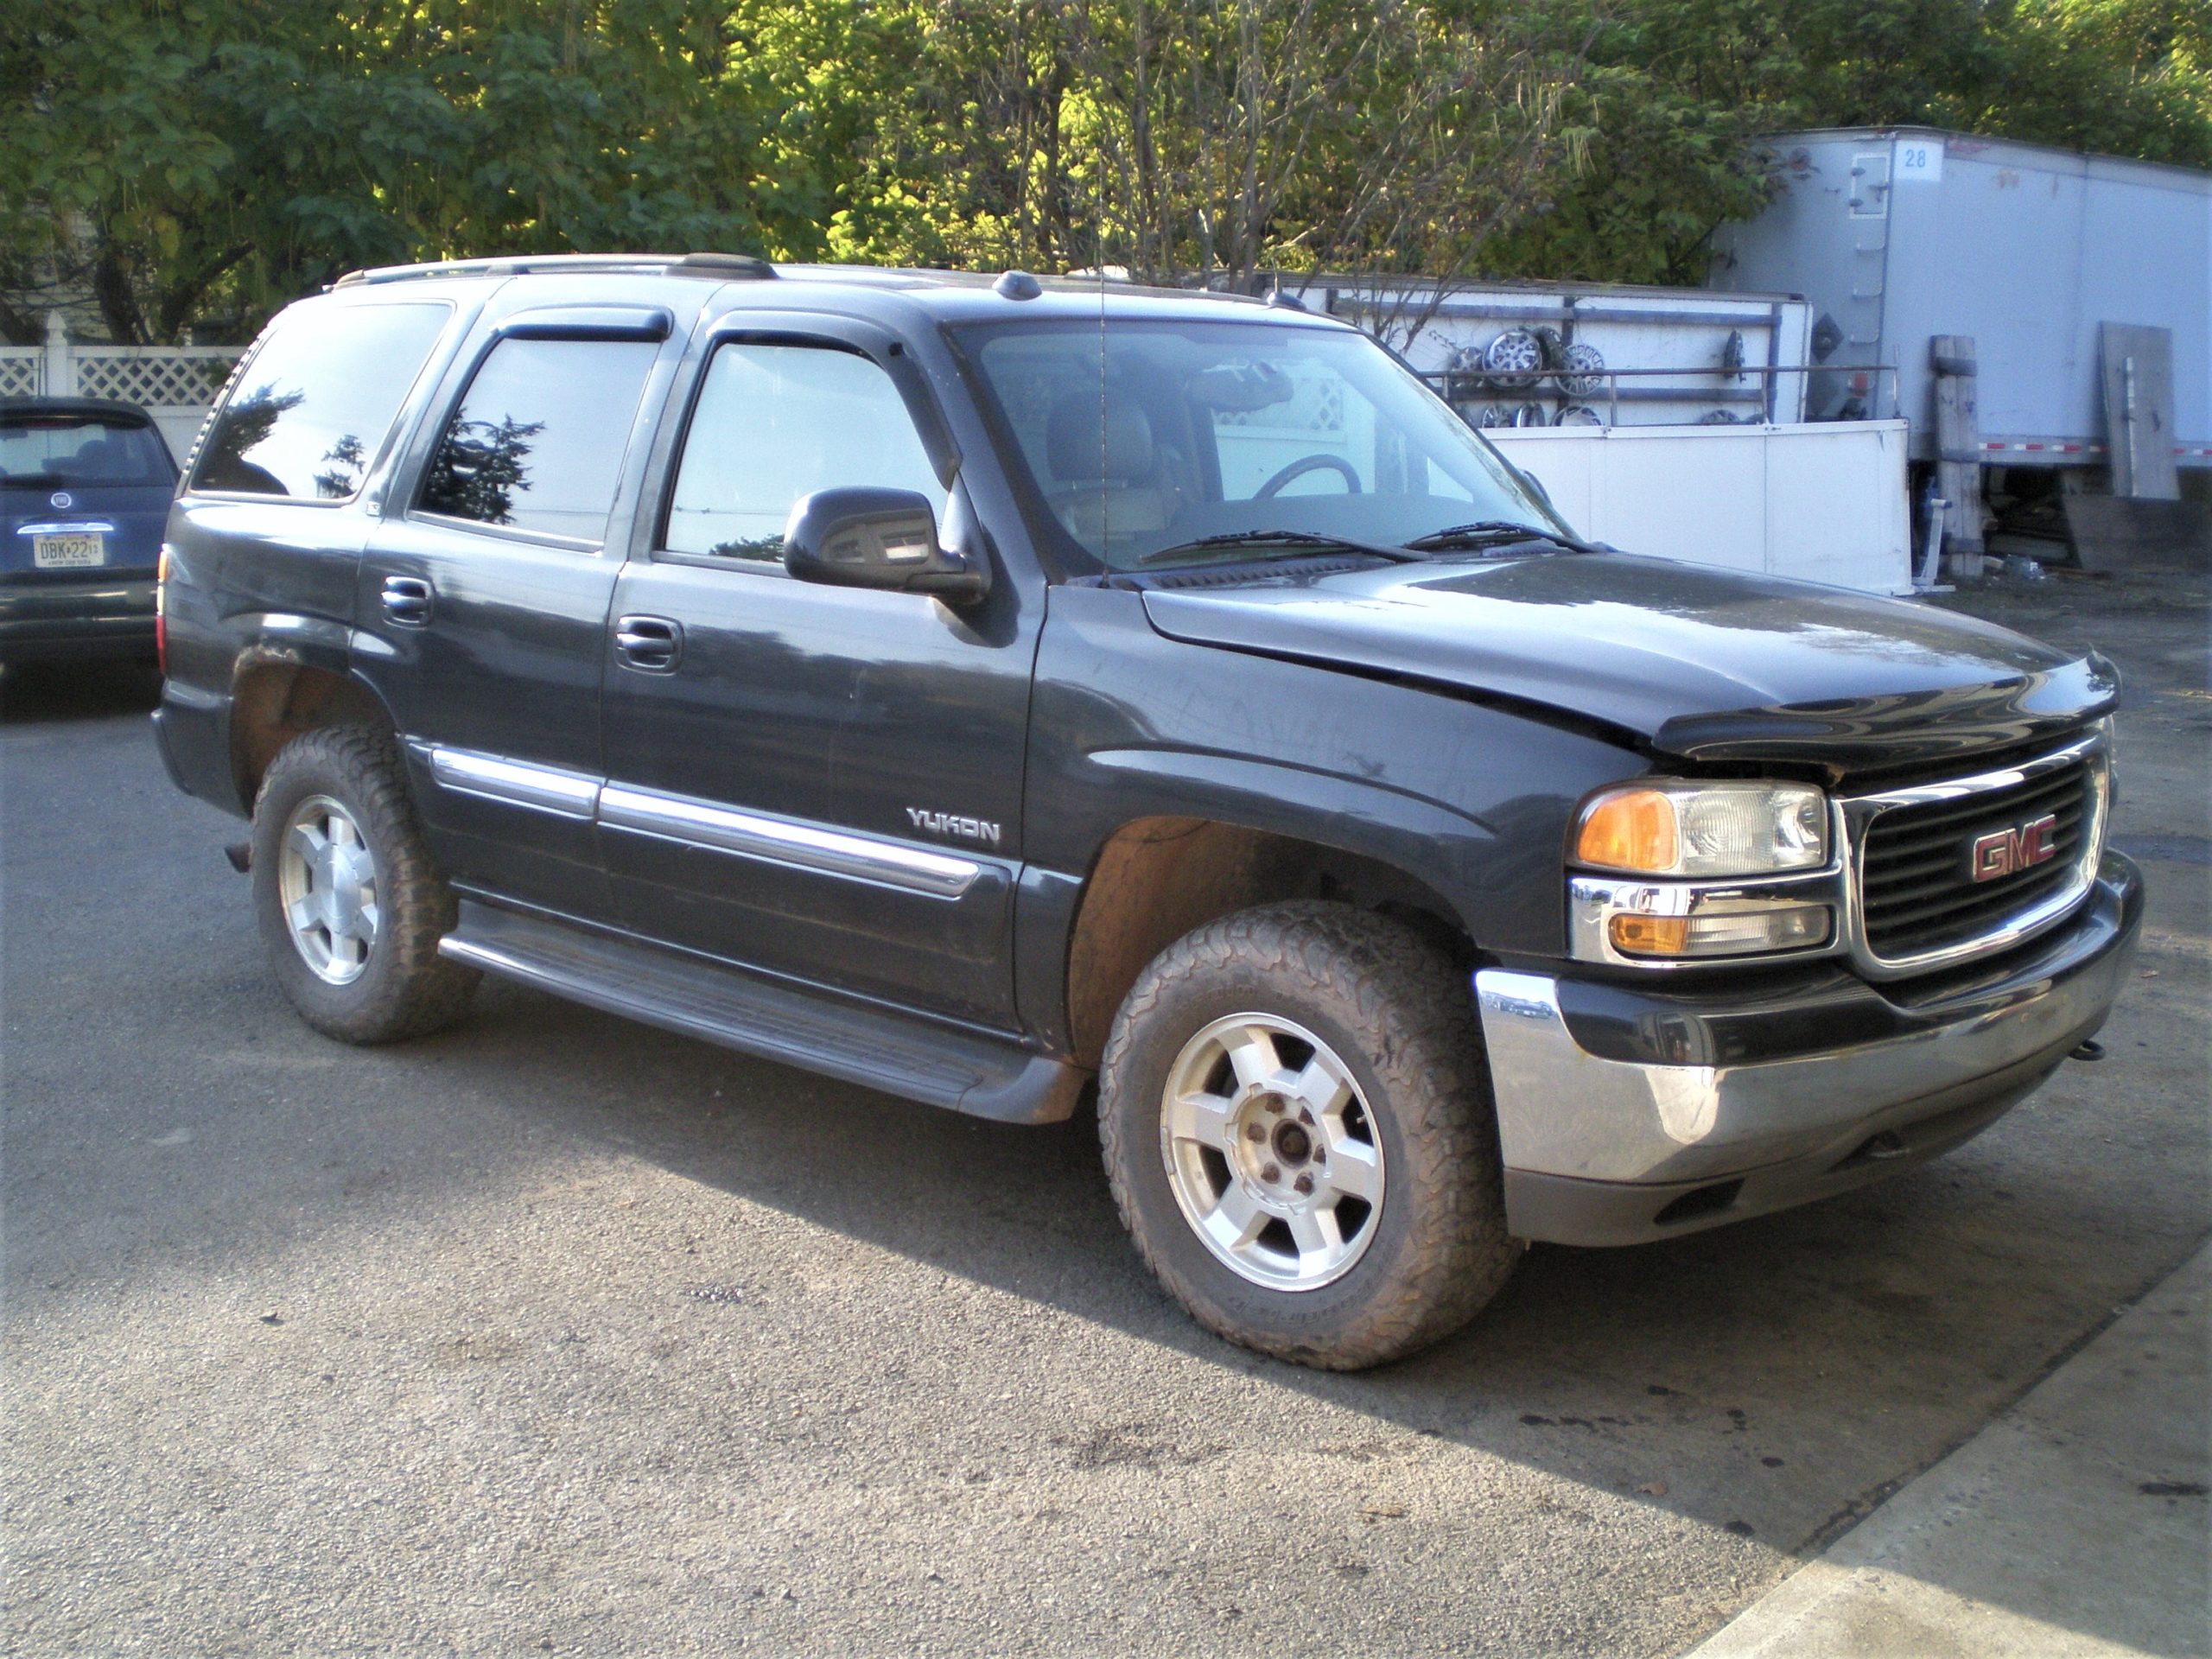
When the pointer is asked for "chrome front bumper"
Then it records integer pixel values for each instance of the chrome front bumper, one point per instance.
(1627, 1113)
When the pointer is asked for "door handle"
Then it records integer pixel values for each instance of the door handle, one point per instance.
(651, 644)
(407, 600)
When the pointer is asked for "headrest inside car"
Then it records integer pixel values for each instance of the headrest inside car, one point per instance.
(1078, 451)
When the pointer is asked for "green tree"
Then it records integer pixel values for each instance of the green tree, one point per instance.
(194, 163)
(198, 163)
(1218, 142)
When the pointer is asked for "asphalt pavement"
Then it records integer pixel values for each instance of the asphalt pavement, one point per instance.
(555, 1333)
(2035, 1539)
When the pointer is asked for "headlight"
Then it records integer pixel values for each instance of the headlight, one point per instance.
(1703, 830)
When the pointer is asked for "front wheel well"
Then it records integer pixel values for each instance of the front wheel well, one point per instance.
(1158, 878)
(274, 702)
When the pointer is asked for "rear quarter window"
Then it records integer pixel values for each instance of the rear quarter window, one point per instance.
(538, 443)
(310, 408)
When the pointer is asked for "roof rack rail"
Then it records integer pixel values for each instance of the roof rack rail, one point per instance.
(728, 265)
(725, 266)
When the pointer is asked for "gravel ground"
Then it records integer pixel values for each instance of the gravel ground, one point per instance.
(554, 1333)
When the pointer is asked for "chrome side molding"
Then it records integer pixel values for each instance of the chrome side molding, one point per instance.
(786, 841)
(544, 789)
(696, 822)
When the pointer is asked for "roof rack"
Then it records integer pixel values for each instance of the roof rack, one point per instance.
(725, 265)
(721, 267)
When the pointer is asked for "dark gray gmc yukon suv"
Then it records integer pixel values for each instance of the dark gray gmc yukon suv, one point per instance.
(975, 688)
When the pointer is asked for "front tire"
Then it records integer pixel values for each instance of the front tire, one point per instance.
(350, 904)
(1298, 1128)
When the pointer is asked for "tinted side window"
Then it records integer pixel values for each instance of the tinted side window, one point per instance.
(776, 422)
(312, 406)
(538, 443)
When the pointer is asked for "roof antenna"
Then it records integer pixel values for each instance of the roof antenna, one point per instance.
(1017, 285)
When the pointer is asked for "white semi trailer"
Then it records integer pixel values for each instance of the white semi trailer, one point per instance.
(1898, 235)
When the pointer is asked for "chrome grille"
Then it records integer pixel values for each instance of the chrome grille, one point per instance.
(1917, 877)
(1917, 904)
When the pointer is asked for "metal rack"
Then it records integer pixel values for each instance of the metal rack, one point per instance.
(1544, 385)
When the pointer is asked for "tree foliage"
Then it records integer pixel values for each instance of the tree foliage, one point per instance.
(200, 161)
(194, 163)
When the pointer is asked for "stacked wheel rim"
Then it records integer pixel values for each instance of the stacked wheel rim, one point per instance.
(1514, 357)
(1581, 370)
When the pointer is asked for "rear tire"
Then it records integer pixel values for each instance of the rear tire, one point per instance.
(1316, 1044)
(350, 903)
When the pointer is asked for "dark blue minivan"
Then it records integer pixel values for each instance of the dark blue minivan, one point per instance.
(84, 488)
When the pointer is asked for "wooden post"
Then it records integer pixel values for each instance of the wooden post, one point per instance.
(1957, 452)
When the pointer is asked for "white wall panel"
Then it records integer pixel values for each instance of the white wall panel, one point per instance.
(1818, 503)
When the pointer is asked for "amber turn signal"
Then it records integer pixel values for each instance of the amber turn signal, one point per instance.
(1651, 935)
(1632, 829)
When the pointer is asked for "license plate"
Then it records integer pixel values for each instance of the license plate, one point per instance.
(74, 549)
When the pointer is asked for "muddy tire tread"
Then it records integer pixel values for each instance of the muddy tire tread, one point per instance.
(419, 991)
(1405, 998)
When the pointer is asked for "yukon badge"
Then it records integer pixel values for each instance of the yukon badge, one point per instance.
(2009, 851)
(946, 823)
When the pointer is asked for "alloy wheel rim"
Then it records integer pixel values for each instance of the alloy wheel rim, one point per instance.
(327, 881)
(1271, 1152)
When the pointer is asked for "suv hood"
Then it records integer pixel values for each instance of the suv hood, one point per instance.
(1702, 664)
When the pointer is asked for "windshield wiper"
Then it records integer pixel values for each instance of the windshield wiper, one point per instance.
(1303, 538)
(1494, 533)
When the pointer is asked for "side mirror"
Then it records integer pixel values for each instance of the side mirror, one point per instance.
(868, 538)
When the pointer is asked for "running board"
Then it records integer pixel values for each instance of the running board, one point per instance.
(859, 1044)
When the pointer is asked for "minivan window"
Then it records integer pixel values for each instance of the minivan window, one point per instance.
(538, 440)
(310, 410)
(777, 421)
(49, 450)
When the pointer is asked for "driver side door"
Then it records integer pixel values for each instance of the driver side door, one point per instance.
(820, 782)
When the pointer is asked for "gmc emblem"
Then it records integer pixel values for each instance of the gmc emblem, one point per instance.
(2008, 852)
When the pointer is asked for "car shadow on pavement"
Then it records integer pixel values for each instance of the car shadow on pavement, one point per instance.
(1773, 1379)
(49, 692)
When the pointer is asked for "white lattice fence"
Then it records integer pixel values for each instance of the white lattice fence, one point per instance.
(154, 377)
(174, 384)
(23, 371)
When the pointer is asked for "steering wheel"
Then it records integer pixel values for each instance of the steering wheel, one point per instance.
(1305, 464)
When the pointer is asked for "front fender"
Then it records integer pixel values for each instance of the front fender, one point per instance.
(1443, 848)
(1469, 801)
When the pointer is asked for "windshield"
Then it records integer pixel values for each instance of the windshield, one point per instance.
(44, 449)
(1139, 438)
